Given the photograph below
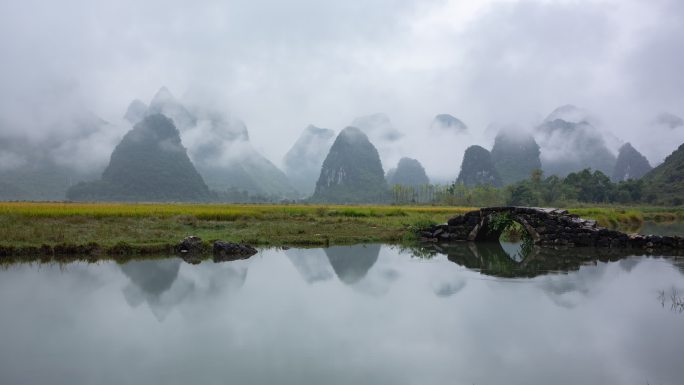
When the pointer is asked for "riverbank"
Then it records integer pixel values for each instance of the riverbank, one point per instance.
(130, 229)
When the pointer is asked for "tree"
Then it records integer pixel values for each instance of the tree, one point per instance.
(591, 187)
(522, 195)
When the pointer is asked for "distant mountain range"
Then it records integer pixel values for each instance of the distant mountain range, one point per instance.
(345, 169)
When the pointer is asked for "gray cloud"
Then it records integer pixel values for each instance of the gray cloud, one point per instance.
(280, 66)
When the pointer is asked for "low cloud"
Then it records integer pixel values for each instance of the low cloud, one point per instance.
(280, 67)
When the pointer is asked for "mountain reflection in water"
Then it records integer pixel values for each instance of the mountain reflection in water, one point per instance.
(312, 264)
(373, 314)
(151, 282)
(351, 263)
(157, 282)
(354, 266)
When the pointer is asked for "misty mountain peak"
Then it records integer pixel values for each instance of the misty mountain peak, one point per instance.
(515, 155)
(163, 95)
(155, 128)
(353, 135)
(630, 164)
(136, 111)
(378, 126)
(312, 130)
(218, 145)
(165, 103)
(352, 171)
(149, 164)
(409, 172)
(571, 142)
(225, 158)
(513, 133)
(304, 160)
(569, 113)
(478, 168)
(628, 148)
(448, 122)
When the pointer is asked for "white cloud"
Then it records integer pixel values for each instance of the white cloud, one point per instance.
(280, 66)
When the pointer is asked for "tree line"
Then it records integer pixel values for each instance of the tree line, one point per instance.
(584, 186)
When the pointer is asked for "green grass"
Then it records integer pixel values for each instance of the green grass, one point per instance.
(156, 226)
(629, 218)
(30, 224)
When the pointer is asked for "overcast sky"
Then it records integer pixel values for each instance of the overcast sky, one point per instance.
(281, 65)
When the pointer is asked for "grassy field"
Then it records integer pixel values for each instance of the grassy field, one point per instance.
(629, 218)
(31, 224)
(127, 228)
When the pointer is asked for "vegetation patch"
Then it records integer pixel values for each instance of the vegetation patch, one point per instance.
(129, 229)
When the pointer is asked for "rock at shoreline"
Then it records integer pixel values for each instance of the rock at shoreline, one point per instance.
(191, 244)
(228, 251)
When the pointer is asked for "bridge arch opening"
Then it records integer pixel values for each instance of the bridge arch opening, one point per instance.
(509, 232)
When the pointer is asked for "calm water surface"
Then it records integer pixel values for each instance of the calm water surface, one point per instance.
(345, 315)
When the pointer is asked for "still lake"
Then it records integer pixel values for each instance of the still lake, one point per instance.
(365, 314)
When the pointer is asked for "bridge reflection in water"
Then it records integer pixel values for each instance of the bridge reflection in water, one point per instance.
(491, 258)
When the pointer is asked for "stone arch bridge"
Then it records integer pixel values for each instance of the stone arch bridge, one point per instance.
(545, 227)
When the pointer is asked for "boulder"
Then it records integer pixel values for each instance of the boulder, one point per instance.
(228, 251)
(191, 245)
